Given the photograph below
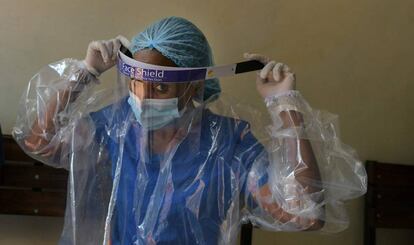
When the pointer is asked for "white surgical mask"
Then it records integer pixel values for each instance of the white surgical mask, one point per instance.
(154, 114)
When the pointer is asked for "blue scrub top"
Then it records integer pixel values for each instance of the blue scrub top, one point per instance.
(202, 187)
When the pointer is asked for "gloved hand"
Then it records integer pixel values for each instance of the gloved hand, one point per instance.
(274, 78)
(101, 55)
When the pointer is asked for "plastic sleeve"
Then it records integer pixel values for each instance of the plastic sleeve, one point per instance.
(310, 171)
(52, 110)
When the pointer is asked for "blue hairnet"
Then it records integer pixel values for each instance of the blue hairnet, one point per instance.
(182, 42)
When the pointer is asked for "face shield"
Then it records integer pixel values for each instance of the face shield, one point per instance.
(167, 98)
(164, 103)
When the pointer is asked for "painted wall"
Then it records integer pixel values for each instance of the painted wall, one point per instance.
(351, 57)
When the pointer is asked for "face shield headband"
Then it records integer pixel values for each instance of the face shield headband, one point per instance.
(165, 74)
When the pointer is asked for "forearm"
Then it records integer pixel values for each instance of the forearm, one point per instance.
(306, 169)
(298, 195)
(301, 154)
(44, 126)
(48, 119)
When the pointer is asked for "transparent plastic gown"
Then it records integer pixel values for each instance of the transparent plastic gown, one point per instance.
(193, 181)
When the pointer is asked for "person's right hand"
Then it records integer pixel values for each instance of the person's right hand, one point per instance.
(101, 55)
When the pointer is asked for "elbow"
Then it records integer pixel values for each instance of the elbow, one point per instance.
(39, 147)
(34, 142)
(315, 225)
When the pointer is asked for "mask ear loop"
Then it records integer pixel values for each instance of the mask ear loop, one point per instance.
(198, 102)
(191, 120)
(183, 94)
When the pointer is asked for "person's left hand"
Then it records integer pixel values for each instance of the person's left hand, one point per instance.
(274, 78)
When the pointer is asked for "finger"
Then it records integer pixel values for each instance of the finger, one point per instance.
(110, 47)
(134, 86)
(277, 71)
(286, 68)
(259, 57)
(289, 77)
(115, 47)
(100, 46)
(131, 85)
(266, 70)
(124, 41)
(94, 45)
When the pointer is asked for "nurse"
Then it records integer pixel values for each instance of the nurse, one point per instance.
(160, 164)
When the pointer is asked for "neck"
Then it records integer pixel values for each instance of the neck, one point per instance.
(164, 139)
(161, 139)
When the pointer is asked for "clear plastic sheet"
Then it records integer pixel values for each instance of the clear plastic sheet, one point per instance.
(195, 179)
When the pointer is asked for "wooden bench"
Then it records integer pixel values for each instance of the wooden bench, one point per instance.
(389, 202)
(27, 186)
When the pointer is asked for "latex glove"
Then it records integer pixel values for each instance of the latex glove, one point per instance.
(101, 55)
(274, 78)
